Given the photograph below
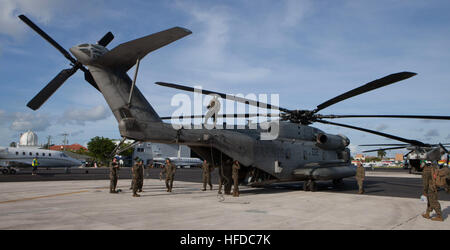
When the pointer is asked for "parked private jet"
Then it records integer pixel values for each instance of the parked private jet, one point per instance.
(23, 156)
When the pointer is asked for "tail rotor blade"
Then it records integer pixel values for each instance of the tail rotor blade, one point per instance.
(106, 39)
(51, 87)
(48, 38)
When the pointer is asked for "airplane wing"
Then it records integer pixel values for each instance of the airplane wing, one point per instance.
(159, 161)
(124, 56)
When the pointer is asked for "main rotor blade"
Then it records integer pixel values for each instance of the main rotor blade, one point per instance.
(48, 38)
(382, 145)
(408, 153)
(51, 87)
(412, 142)
(383, 149)
(222, 115)
(106, 39)
(432, 117)
(224, 96)
(444, 148)
(367, 87)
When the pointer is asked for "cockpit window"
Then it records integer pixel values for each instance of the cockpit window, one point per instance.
(83, 45)
(86, 51)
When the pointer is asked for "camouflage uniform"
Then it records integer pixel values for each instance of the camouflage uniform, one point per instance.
(113, 168)
(426, 178)
(140, 177)
(206, 175)
(137, 172)
(169, 170)
(235, 175)
(360, 175)
(432, 198)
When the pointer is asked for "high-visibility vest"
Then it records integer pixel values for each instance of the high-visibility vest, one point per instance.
(35, 163)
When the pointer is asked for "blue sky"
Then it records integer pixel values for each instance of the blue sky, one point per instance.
(305, 51)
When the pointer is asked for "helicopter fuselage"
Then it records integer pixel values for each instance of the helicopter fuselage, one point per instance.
(299, 152)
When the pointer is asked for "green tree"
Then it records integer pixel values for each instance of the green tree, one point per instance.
(381, 154)
(100, 148)
(128, 152)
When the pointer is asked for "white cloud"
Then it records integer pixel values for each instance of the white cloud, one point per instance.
(11, 25)
(432, 133)
(295, 11)
(30, 121)
(80, 116)
(354, 149)
(2, 116)
(214, 36)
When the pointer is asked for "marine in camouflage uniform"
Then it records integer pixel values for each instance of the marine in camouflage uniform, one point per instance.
(169, 170)
(432, 198)
(360, 175)
(206, 175)
(426, 176)
(137, 172)
(140, 177)
(113, 168)
(136, 160)
(235, 175)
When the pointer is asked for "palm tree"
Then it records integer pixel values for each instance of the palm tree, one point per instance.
(381, 154)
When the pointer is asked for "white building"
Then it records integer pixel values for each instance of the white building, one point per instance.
(28, 139)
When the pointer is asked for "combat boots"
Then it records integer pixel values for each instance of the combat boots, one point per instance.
(426, 215)
(136, 195)
(437, 218)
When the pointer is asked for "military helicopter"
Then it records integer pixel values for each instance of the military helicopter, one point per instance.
(299, 152)
(416, 154)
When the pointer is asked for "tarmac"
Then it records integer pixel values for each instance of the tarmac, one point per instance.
(87, 204)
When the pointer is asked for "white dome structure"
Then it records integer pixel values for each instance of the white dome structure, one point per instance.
(28, 139)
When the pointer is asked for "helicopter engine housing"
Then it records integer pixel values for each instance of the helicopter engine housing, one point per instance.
(332, 142)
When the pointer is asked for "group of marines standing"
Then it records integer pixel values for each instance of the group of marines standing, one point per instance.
(169, 170)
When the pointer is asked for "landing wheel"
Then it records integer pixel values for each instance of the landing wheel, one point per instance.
(5, 171)
(12, 171)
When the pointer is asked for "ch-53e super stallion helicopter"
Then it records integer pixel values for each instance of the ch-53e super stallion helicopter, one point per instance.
(298, 153)
(416, 154)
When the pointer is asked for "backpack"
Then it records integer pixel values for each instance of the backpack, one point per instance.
(441, 177)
